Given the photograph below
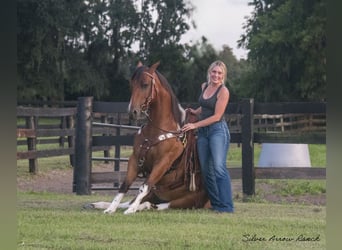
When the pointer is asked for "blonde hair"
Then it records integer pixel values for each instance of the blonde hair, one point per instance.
(222, 66)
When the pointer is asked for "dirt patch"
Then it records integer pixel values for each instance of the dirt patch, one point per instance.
(55, 181)
(61, 181)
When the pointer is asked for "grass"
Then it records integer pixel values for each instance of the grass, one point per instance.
(318, 155)
(57, 221)
(297, 187)
(44, 165)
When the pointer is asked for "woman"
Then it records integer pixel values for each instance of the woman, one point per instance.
(214, 137)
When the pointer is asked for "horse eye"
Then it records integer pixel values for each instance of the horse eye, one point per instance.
(144, 85)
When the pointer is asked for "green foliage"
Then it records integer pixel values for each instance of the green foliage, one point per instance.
(76, 48)
(287, 51)
(71, 49)
(68, 49)
(42, 29)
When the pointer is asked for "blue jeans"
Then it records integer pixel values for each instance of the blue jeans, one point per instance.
(213, 145)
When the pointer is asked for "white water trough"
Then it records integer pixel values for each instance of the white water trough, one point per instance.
(284, 155)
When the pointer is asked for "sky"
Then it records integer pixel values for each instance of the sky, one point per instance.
(220, 21)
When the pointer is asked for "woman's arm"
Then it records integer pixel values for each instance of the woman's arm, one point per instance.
(220, 107)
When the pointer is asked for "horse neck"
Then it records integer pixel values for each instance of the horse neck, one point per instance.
(161, 114)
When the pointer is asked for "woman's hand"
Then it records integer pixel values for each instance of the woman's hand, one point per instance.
(192, 111)
(188, 126)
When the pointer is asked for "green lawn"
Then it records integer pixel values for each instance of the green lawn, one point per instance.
(57, 221)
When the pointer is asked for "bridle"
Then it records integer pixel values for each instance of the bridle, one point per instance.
(145, 107)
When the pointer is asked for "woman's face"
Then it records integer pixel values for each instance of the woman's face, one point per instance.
(216, 75)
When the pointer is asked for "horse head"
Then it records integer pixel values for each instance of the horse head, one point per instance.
(143, 90)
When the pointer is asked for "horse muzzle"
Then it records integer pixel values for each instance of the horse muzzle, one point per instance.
(134, 114)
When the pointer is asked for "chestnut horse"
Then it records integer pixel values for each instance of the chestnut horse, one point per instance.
(161, 152)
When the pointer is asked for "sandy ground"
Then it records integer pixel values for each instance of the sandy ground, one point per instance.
(60, 181)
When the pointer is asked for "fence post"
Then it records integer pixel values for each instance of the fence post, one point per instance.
(31, 123)
(71, 139)
(117, 154)
(248, 173)
(83, 146)
(106, 154)
(62, 126)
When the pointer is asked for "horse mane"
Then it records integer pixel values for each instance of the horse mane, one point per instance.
(175, 105)
(176, 108)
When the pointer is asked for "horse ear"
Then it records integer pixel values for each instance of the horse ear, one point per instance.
(154, 67)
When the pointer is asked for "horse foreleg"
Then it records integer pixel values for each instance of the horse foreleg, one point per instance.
(143, 191)
(131, 175)
(115, 203)
(105, 205)
(157, 173)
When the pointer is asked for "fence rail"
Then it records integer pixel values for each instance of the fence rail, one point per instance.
(32, 130)
(246, 135)
(249, 123)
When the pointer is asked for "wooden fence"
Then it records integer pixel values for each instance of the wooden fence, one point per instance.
(249, 123)
(244, 120)
(47, 125)
(47, 133)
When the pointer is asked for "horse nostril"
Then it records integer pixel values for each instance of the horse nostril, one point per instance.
(133, 114)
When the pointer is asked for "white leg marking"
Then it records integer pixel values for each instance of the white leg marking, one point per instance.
(124, 204)
(101, 205)
(104, 205)
(115, 203)
(146, 205)
(163, 206)
(143, 190)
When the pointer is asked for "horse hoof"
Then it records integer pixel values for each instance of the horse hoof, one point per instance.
(108, 211)
(88, 206)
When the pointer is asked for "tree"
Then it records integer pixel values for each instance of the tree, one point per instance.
(162, 24)
(194, 71)
(286, 40)
(41, 32)
(72, 48)
(233, 70)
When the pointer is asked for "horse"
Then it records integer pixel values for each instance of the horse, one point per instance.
(165, 155)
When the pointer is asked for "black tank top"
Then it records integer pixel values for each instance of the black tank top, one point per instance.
(208, 105)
